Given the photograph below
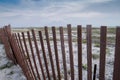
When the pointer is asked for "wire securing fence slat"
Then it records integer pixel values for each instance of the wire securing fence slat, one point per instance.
(103, 35)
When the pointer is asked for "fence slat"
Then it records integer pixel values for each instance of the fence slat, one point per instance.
(50, 53)
(14, 48)
(56, 52)
(79, 41)
(116, 72)
(70, 51)
(44, 54)
(63, 53)
(38, 53)
(103, 34)
(8, 43)
(20, 57)
(33, 56)
(89, 53)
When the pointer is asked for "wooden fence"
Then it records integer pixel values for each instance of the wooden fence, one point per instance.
(33, 53)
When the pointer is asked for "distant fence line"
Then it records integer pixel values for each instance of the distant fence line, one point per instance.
(17, 50)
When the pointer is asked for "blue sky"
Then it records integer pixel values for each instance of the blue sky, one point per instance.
(26, 13)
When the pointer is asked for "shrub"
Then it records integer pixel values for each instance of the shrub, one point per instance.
(84, 41)
(95, 56)
(97, 45)
(84, 66)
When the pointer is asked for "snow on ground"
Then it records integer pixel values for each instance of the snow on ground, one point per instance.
(9, 71)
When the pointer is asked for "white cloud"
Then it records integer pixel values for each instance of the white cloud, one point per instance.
(85, 15)
(30, 13)
(100, 1)
(51, 10)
